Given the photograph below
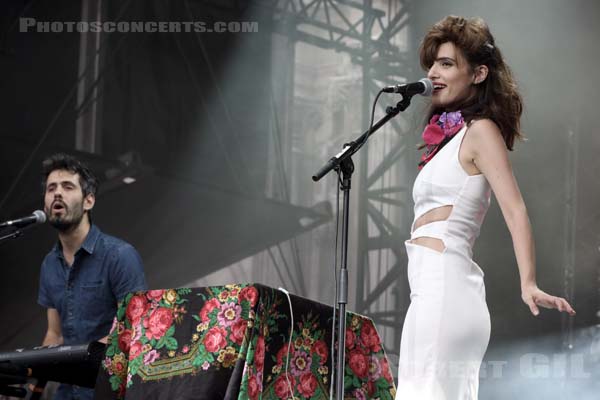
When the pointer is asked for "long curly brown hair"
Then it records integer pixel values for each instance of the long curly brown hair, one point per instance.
(497, 97)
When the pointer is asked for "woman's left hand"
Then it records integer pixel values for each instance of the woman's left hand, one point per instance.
(534, 297)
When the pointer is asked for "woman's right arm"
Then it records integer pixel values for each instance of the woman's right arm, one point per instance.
(486, 145)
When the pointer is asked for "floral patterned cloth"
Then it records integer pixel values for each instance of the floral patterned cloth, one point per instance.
(231, 342)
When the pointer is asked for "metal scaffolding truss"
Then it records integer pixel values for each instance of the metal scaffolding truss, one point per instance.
(360, 29)
(365, 31)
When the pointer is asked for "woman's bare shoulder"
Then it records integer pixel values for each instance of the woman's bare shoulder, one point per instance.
(484, 132)
(484, 126)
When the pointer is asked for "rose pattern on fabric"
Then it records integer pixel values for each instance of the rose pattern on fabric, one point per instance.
(208, 308)
(158, 323)
(369, 338)
(368, 374)
(259, 354)
(125, 340)
(244, 328)
(141, 329)
(320, 348)
(135, 350)
(358, 363)
(215, 339)
(250, 294)
(307, 385)
(282, 386)
(155, 295)
(350, 339)
(136, 308)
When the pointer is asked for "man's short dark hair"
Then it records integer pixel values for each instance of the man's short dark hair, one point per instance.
(61, 161)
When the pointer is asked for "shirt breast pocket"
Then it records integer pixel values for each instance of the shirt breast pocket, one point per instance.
(94, 300)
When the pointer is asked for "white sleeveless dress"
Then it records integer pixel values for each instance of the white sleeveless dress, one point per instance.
(447, 327)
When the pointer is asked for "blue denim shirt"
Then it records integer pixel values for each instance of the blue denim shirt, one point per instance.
(86, 294)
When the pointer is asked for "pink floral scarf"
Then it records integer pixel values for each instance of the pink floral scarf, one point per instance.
(438, 132)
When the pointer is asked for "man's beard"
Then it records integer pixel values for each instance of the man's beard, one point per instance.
(68, 221)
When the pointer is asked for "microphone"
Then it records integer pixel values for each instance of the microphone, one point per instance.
(424, 87)
(37, 217)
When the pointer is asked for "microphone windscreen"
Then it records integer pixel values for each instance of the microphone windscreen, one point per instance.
(40, 215)
(428, 87)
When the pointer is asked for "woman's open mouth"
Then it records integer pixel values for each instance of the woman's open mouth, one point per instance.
(438, 86)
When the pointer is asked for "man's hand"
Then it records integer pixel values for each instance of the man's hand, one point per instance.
(54, 332)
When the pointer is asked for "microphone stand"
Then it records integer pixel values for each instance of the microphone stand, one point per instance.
(13, 235)
(342, 162)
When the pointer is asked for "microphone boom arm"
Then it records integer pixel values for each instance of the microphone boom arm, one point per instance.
(13, 235)
(352, 147)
